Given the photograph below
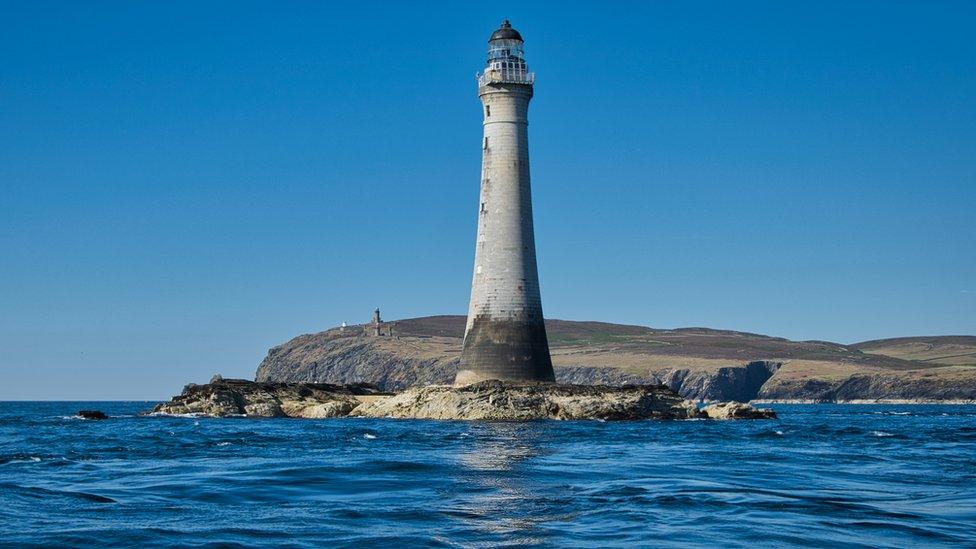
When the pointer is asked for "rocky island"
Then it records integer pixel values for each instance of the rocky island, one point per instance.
(487, 400)
(403, 369)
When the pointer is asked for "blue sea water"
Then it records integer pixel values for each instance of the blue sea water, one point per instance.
(822, 475)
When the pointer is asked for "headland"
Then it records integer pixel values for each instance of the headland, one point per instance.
(700, 364)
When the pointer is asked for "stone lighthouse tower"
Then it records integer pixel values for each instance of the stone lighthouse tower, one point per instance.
(505, 337)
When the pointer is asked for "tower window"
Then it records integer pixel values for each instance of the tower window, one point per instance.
(486, 143)
(487, 110)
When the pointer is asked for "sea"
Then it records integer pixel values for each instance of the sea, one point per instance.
(819, 476)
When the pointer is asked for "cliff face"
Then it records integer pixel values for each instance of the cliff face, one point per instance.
(340, 357)
(739, 383)
(698, 363)
(875, 386)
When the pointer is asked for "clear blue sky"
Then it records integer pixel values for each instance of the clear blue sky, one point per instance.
(186, 184)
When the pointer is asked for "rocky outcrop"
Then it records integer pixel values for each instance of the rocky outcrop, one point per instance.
(91, 414)
(496, 400)
(488, 400)
(239, 397)
(737, 410)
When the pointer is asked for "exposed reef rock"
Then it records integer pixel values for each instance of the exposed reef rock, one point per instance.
(737, 410)
(488, 400)
(511, 401)
(239, 397)
(92, 414)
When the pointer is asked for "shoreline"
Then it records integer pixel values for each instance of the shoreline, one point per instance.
(920, 401)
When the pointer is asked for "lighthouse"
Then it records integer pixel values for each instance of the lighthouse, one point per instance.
(505, 336)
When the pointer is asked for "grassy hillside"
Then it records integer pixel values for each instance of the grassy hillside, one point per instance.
(946, 350)
(701, 347)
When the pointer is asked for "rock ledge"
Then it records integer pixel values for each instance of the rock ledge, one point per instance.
(737, 410)
(240, 397)
(488, 400)
(496, 400)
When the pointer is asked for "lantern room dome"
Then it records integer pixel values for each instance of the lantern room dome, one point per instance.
(505, 32)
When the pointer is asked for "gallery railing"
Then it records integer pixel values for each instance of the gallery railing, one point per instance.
(505, 76)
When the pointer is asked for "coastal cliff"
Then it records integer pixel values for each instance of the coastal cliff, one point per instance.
(698, 363)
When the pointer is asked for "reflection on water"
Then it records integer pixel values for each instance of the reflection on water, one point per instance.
(499, 446)
(490, 466)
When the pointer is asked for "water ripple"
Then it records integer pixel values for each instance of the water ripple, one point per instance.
(860, 476)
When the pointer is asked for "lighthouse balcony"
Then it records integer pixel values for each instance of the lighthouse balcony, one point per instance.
(506, 76)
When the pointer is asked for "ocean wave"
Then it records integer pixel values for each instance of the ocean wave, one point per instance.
(818, 476)
(41, 492)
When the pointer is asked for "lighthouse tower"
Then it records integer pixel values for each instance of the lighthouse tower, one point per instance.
(505, 337)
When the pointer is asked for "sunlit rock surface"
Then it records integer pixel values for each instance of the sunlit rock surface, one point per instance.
(737, 410)
(239, 397)
(488, 400)
(508, 401)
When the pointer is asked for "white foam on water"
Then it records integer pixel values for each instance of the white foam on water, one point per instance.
(224, 443)
(780, 433)
(882, 434)
(369, 436)
(28, 459)
(191, 415)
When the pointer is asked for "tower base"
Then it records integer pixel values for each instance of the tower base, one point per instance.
(506, 350)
